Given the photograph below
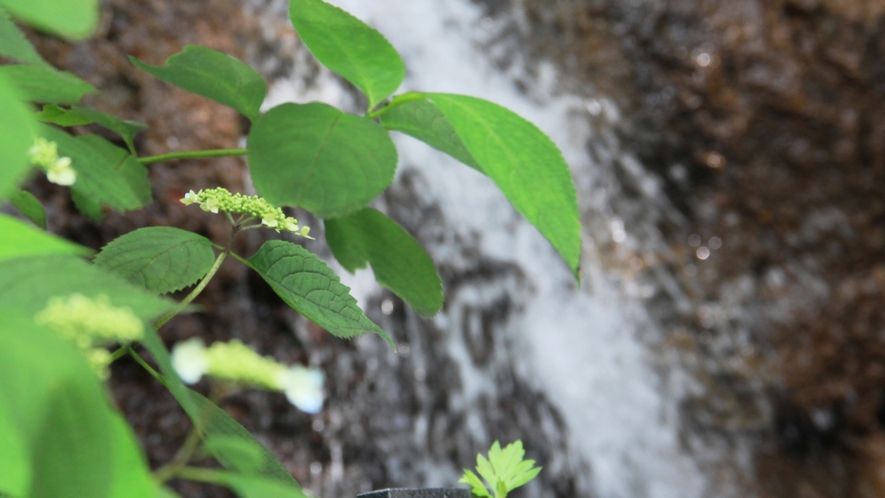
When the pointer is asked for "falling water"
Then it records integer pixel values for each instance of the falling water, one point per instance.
(519, 351)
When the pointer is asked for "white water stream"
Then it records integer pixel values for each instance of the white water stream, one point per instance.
(582, 347)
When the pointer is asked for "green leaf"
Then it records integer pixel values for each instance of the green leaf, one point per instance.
(56, 115)
(319, 158)
(398, 260)
(88, 206)
(29, 206)
(73, 19)
(60, 410)
(504, 470)
(131, 477)
(15, 465)
(16, 137)
(45, 84)
(26, 284)
(123, 127)
(524, 163)
(21, 239)
(106, 174)
(306, 284)
(215, 422)
(242, 455)
(478, 488)
(349, 47)
(243, 486)
(13, 43)
(212, 421)
(160, 259)
(422, 120)
(214, 75)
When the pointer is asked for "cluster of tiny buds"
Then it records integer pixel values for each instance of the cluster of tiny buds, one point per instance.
(91, 324)
(220, 199)
(58, 169)
(235, 362)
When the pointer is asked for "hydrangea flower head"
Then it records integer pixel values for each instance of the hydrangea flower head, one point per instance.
(58, 169)
(220, 199)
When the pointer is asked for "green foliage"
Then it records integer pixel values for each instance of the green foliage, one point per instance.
(13, 43)
(26, 284)
(54, 114)
(60, 435)
(398, 261)
(20, 239)
(16, 137)
(74, 19)
(160, 259)
(59, 410)
(319, 158)
(349, 47)
(106, 174)
(504, 470)
(213, 75)
(40, 83)
(123, 127)
(524, 163)
(310, 287)
(29, 206)
(424, 121)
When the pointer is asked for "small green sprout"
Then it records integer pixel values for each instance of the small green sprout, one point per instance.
(504, 471)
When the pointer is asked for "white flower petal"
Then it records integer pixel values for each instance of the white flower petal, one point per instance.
(303, 388)
(189, 360)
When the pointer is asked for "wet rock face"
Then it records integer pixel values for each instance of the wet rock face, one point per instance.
(763, 121)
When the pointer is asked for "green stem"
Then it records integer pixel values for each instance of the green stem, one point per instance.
(396, 102)
(178, 462)
(194, 293)
(233, 255)
(147, 367)
(118, 353)
(192, 154)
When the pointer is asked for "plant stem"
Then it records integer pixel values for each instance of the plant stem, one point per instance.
(198, 474)
(395, 102)
(194, 293)
(178, 462)
(147, 367)
(192, 154)
(234, 255)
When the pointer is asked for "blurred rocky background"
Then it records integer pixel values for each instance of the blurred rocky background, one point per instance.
(739, 148)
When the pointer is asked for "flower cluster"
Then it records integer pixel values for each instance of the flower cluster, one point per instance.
(220, 199)
(58, 169)
(234, 361)
(91, 324)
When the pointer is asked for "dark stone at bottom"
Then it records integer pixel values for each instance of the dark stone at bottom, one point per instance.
(418, 493)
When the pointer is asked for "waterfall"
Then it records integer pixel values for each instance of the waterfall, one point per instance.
(519, 350)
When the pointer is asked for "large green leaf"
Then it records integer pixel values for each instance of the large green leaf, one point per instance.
(60, 410)
(398, 261)
(29, 206)
(524, 163)
(319, 158)
(16, 137)
(74, 19)
(214, 75)
(39, 83)
(106, 174)
(15, 459)
(26, 284)
(131, 475)
(160, 259)
(13, 43)
(123, 127)
(349, 47)
(310, 287)
(422, 120)
(21, 239)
